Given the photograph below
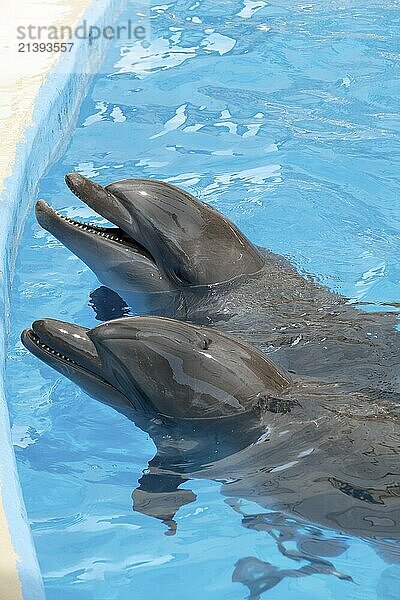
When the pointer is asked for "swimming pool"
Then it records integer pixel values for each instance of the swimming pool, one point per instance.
(285, 116)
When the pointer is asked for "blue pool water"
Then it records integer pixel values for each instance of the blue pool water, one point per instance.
(285, 116)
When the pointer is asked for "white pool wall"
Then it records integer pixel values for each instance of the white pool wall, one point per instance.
(54, 113)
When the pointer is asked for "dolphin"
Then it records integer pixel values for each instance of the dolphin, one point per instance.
(218, 408)
(163, 239)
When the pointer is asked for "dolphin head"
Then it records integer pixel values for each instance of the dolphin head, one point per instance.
(163, 239)
(159, 366)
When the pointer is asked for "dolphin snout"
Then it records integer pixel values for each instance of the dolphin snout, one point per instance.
(100, 199)
(67, 340)
(44, 214)
(75, 181)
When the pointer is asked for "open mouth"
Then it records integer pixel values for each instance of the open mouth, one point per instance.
(122, 255)
(45, 212)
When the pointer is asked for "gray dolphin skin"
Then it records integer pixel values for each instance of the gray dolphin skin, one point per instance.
(247, 373)
(217, 408)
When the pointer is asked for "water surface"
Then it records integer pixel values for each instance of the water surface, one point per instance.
(285, 116)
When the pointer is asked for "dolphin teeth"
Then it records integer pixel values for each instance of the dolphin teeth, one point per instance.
(90, 227)
(40, 344)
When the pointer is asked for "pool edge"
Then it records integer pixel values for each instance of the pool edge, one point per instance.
(56, 108)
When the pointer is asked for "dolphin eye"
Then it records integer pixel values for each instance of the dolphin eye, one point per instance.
(206, 343)
(202, 342)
